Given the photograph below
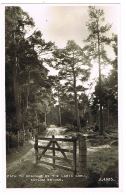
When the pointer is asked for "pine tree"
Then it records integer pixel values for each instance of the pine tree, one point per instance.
(72, 68)
(95, 46)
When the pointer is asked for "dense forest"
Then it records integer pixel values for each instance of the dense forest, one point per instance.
(34, 97)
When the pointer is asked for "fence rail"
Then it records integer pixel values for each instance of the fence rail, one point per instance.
(58, 139)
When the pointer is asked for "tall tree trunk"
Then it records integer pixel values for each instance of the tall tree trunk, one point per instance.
(16, 96)
(83, 107)
(77, 111)
(83, 111)
(100, 89)
(45, 118)
(76, 100)
(60, 116)
(28, 88)
(103, 117)
(108, 113)
(26, 100)
(37, 121)
(59, 110)
(59, 107)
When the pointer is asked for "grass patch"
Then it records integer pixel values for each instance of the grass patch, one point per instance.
(14, 154)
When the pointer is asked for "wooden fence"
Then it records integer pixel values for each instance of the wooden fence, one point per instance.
(53, 145)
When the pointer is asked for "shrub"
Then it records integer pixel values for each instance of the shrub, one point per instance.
(11, 140)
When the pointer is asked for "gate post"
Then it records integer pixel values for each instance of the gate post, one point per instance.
(82, 155)
(36, 148)
(53, 152)
(74, 156)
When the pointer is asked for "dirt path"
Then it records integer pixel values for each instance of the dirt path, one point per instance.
(25, 173)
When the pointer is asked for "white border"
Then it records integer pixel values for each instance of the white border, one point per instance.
(122, 105)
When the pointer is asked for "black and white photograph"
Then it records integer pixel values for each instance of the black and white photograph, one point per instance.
(61, 95)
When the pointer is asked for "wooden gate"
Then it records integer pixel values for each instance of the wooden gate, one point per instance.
(53, 145)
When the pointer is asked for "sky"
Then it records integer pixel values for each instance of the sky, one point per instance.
(61, 23)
